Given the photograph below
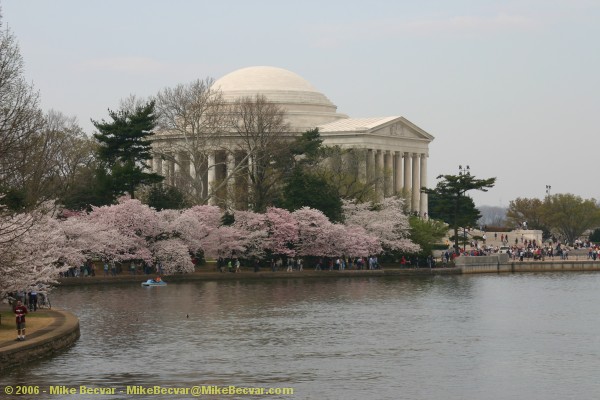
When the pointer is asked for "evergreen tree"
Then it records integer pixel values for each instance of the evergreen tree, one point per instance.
(595, 236)
(303, 189)
(307, 149)
(169, 198)
(92, 187)
(448, 200)
(125, 147)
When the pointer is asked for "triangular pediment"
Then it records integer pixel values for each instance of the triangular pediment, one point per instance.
(400, 127)
(387, 126)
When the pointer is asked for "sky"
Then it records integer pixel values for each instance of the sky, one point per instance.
(509, 88)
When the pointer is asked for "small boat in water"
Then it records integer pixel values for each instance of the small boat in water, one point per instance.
(154, 282)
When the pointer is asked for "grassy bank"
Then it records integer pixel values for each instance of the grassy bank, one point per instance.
(8, 328)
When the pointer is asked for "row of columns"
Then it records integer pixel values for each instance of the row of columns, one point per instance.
(394, 172)
(214, 168)
(397, 172)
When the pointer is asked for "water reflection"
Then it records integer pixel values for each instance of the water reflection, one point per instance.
(443, 337)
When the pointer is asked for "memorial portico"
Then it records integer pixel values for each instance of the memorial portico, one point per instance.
(392, 151)
(396, 151)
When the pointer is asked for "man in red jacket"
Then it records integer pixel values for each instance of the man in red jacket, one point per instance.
(20, 310)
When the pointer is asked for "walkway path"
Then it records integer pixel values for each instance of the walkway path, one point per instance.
(36, 326)
(61, 332)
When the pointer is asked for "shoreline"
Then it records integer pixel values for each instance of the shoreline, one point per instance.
(60, 334)
(214, 275)
(63, 331)
(471, 265)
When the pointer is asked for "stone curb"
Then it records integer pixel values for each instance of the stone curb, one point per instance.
(60, 334)
(264, 273)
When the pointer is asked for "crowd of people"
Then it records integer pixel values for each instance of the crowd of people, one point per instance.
(32, 299)
(290, 264)
(525, 249)
(112, 268)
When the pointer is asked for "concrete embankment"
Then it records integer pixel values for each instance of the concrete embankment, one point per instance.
(463, 265)
(60, 334)
(263, 274)
(502, 263)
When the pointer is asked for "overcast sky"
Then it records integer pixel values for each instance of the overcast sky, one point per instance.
(510, 88)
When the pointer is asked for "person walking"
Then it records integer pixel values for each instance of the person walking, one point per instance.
(33, 300)
(20, 310)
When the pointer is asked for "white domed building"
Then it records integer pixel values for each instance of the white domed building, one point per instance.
(305, 107)
(392, 146)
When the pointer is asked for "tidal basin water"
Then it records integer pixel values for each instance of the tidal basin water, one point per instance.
(523, 336)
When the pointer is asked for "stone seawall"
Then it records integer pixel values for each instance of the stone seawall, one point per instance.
(62, 333)
(501, 263)
(558, 265)
(483, 264)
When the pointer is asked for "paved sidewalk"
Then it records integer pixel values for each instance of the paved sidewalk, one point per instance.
(31, 333)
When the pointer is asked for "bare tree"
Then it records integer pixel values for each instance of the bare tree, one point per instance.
(264, 135)
(132, 103)
(21, 121)
(342, 169)
(52, 158)
(194, 123)
(20, 115)
(237, 143)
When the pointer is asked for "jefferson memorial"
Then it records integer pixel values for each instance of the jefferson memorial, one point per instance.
(393, 147)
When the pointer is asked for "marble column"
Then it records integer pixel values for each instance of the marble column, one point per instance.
(423, 211)
(211, 177)
(362, 166)
(407, 187)
(379, 174)
(229, 175)
(389, 173)
(370, 165)
(192, 169)
(157, 165)
(167, 169)
(204, 177)
(398, 172)
(416, 180)
(250, 172)
(177, 163)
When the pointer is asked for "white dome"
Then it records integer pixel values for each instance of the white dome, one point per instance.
(263, 78)
(305, 107)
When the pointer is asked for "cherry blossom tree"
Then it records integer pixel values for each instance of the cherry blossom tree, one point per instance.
(226, 241)
(274, 232)
(253, 225)
(33, 252)
(355, 241)
(316, 234)
(130, 217)
(95, 238)
(384, 220)
(282, 230)
(173, 255)
(35, 247)
(195, 225)
(137, 223)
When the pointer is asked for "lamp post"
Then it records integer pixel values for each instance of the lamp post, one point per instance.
(548, 187)
(464, 171)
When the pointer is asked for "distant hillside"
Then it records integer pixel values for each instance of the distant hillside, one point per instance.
(492, 215)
